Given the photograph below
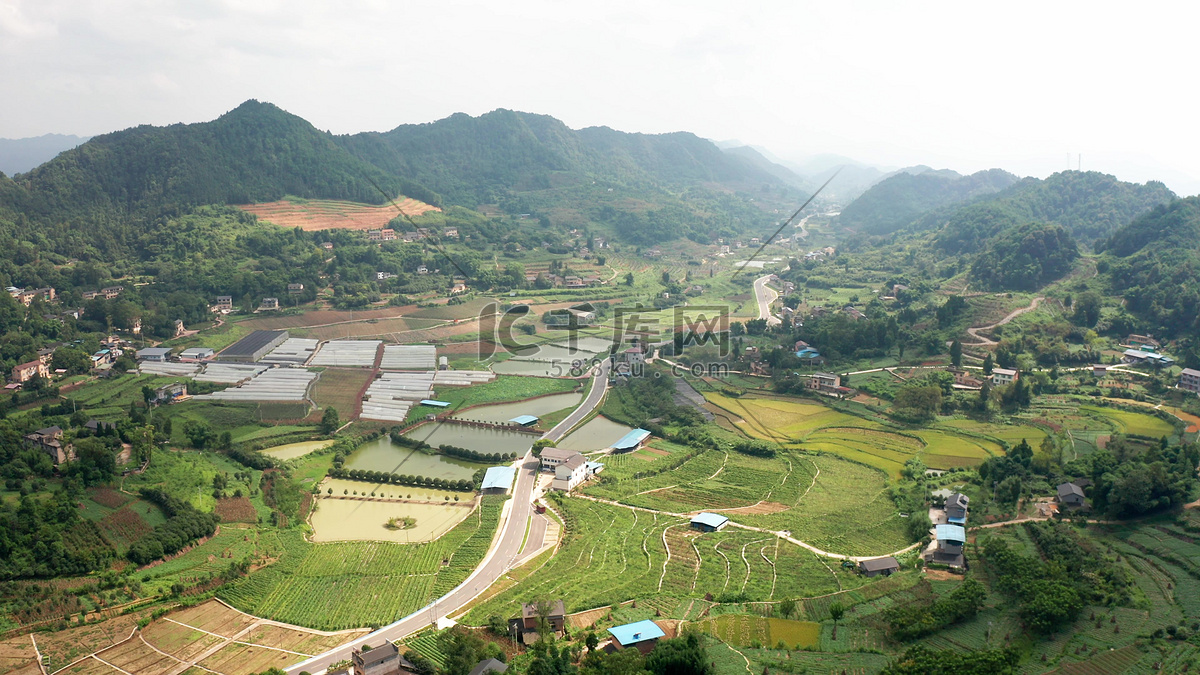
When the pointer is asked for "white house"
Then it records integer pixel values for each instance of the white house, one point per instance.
(1003, 376)
(570, 473)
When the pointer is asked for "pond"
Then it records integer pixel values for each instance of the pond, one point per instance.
(538, 407)
(552, 352)
(597, 434)
(474, 438)
(360, 520)
(294, 450)
(384, 455)
(560, 368)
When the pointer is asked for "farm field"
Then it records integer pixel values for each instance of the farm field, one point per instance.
(628, 550)
(339, 388)
(742, 630)
(294, 450)
(1126, 422)
(348, 585)
(311, 215)
(1012, 434)
(362, 520)
(369, 328)
(503, 389)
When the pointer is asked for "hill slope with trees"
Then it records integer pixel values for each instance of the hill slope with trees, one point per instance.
(892, 204)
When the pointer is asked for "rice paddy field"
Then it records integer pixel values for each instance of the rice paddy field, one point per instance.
(743, 630)
(817, 428)
(1133, 423)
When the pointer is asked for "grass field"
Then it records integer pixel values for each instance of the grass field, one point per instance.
(1012, 434)
(1126, 422)
(339, 388)
(504, 388)
(349, 585)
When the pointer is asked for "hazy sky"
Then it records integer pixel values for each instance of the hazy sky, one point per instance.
(960, 85)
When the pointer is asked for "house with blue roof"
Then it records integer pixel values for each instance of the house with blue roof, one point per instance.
(631, 441)
(948, 549)
(498, 480)
(642, 635)
(709, 522)
(524, 420)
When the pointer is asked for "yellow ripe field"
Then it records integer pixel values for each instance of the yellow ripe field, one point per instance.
(1138, 424)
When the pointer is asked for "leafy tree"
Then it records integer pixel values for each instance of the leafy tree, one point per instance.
(680, 656)
(836, 611)
(956, 354)
(329, 421)
(620, 662)
(198, 433)
(921, 660)
(988, 364)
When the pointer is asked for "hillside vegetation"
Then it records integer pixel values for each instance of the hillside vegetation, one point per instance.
(893, 203)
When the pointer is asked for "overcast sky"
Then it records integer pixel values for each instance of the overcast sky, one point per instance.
(966, 86)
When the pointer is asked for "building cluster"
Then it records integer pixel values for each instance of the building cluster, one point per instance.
(570, 468)
(26, 296)
(950, 536)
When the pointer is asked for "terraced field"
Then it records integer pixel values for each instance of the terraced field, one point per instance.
(311, 215)
(1126, 422)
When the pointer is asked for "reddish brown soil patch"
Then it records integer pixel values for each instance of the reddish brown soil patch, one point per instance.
(236, 510)
(942, 575)
(326, 215)
(110, 498)
(1102, 441)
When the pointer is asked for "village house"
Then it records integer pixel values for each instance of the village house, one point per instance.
(948, 547)
(489, 666)
(853, 313)
(49, 441)
(824, 381)
(877, 566)
(269, 304)
(27, 296)
(293, 289)
(170, 393)
(327, 245)
(555, 613)
(570, 473)
(1004, 376)
(384, 276)
(642, 636)
(451, 232)
(1070, 494)
(382, 660)
(965, 378)
(956, 508)
(224, 303)
(26, 371)
(1146, 356)
(387, 234)
(1189, 380)
(1139, 341)
(111, 292)
(573, 282)
(374, 235)
(422, 269)
(552, 457)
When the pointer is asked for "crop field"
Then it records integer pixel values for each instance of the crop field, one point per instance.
(1137, 424)
(347, 585)
(369, 328)
(362, 520)
(123, 527)
(318, 317)
(236, 510)
(18, 655)
(742, 630)
(1012, 434)
(339, 388)
(60, 648)
(328, 214)
(503, 388)
(187, 474)
(628, 550)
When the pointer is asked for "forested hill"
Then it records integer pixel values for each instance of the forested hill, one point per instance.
(476, 160)
(1089, 204)
(1154, 262)
(253, 153)
(895, 202)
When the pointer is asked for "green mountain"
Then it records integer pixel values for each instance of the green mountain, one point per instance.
(1025, 257)
(482, 160)
(1089, 204)
(893, 203)
(1154, 263)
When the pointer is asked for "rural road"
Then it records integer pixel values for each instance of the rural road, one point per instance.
(983, 341)
(504, 552)
(765, 297)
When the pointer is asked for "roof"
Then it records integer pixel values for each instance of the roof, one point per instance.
(153, 351)
(887, 562)
(1069, 489)
(958, 499)
(593, 467)
(253, 342)
(499, 477)
(1137, 353)
(574, 461)
(195, 351)
(951, 533)
(524, 420)
(633, 633)
(35, 363)
(49, 431)
(436, 404)
(380, 653)
(557, 453)
(489, 666)
(1190, 371)
(529, 609)
(1003, 371)
(631, 439)
(827, 376)
(713, 520)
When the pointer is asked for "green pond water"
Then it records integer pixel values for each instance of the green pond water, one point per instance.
(473, 438)
(384, 455)
(503, 412)
(597, 434)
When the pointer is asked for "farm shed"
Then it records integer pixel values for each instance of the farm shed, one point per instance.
(498, 480)
(196, 354)
(631, 441)
(877, 566)
(524, 420)
(158, 354)
(642, 636)
(435, 403)
(709, 522)
(254, 346)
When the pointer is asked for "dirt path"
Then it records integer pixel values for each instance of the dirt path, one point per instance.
(984, 341)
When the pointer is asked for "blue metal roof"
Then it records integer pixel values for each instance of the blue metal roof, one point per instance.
(499, 477)
(631, 439)
(436, 404)
(633, 633)
(956, 521)
(524, 420)
(593, 467)
(713, 520)
(951, 533)
(808, 353)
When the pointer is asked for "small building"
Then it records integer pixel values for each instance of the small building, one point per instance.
(1099, 369)
(443, 363)
(488, 666)
(1143, 357)
(451, 232)
(422, 269)
(709, 522)
(195, 354)
(631, 441)
(374, 235)
(1003, 376)
(570, 473)
(965, 378)
(552, 457)
(384, 276)
(382, 660)
(643, 636)
(498, 480)
(956, 508)
(524, 420)
(293, 289)
(224, 303)
(556, 615)
(878, 566)
(1070, 494)
(810, 355)
(111, 292)
(435, 403)
(49, 441)
(573, 282)
(327, 245)
(824, 382)
(26, 371)
(950, 539)
(387, 234)
(97, 426)
(269, 305)
(154, 354)
(1139, 341)
(170, 393)
(1189, 380)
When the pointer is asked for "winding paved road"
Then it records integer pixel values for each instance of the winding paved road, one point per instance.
(765, 297)
(500, 558)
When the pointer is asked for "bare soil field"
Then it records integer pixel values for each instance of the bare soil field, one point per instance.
(135, 656)
(17, 653)
(372, 328)
(322, 214)
(236, 510)
(183, 642)
(339, 388)
(64, 646)
(322, 317)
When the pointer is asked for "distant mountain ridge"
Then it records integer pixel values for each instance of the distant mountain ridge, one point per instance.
(895, 202)
(18, 155)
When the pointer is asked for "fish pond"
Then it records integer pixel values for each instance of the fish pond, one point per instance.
(503, 412)
(597, 434)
